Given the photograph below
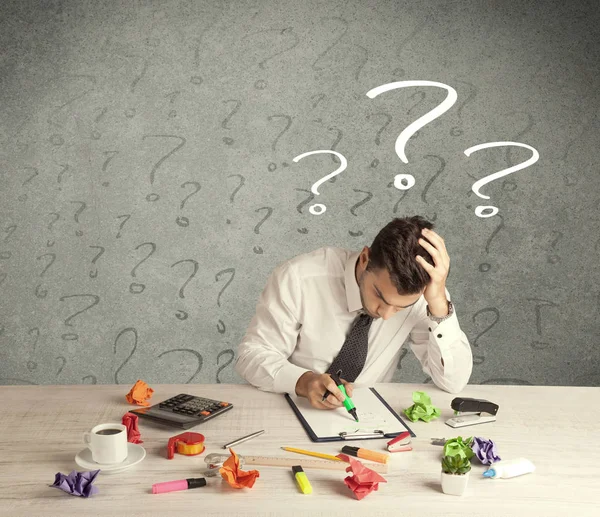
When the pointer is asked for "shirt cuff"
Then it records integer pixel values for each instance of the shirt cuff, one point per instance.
(287, 377)
(444, 335)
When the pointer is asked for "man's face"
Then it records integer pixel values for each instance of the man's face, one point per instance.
(378, 295)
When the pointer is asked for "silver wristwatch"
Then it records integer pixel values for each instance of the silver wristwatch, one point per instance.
(439, 320)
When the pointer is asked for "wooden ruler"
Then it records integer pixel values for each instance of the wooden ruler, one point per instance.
(308, 463)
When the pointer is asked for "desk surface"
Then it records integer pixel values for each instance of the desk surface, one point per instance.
(555, 427)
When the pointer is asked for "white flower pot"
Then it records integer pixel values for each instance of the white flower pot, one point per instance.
(454, 484)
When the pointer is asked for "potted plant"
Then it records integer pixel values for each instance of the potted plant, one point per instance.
(455, 474)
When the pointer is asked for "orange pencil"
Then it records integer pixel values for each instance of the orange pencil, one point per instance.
(366, 454)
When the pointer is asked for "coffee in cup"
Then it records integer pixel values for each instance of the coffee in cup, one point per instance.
(108, 443)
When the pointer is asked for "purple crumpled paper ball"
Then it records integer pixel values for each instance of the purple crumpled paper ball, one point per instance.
(485, 450)
(77, 483)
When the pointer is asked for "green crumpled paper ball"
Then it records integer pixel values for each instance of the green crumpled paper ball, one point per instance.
(422, 409)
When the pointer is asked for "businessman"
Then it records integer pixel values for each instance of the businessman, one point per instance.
(334, 309)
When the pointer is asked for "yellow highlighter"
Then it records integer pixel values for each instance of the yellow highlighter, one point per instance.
(302, 480)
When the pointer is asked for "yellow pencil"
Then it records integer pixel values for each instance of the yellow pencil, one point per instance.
(310, 453)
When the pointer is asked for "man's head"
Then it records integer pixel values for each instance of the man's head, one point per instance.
(389, 277)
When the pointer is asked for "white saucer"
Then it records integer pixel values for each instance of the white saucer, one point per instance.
(135, 454)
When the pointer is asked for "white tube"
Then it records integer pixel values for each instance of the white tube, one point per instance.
(510, 468)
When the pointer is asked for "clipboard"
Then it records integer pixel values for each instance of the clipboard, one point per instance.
(338, 425)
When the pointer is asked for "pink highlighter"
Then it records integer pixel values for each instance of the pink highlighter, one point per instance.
(180, 484)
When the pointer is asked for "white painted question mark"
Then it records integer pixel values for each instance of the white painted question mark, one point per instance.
(318, 209)
(406, 181)
(479, 211)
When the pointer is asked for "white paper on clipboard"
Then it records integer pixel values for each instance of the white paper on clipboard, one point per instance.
(373, 415)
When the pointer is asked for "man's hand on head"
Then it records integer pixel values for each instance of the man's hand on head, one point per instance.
(313, 386)
(435, 292)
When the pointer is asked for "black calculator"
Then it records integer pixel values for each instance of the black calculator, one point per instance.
(184, 411)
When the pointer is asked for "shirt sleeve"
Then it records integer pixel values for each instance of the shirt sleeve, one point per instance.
(433, 342)
(272, 335)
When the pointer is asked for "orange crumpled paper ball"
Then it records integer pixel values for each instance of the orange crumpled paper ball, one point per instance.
(236, 477)
(139, 393)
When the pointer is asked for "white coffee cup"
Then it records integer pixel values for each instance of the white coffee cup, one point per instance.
(108, 443)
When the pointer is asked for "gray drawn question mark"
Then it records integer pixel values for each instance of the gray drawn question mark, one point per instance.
(181, 314)
(83, 206)
(229, 352)
(457, 131)
(63, 362)
(94, 274)
(23, 197)
(196, 354)
(126, 218)
(110, 155)
(480, 358)
(182, 221)
(35, 332)
(302, 204)
(52, 222)
(154, 197)
(368, 197)
(554, 259)
(391, 184)
(134, 287)
(257, 249)
(330, 47)
(272, 166)
(65, 168)
(282, 32)
(93, 379)
(135, 342)
(42, 293)
(388, 120)
(318, 208)
(172, 98)
(442, 166)
(221, 324)
(539, 345)
(484, 267)
(96, 301)
(227, 140)
(240, 185)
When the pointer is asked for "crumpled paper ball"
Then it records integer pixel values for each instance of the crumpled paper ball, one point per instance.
(234, 475)
(77, 483)
(130, 421)
(485, 450)
(139, 393)
(422, 409)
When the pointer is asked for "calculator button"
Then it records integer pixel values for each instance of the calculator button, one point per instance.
(223, 404)
(205, 413)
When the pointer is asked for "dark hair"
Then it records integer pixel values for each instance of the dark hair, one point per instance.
(395, 248)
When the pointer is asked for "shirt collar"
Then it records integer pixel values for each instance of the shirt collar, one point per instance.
(352, 289)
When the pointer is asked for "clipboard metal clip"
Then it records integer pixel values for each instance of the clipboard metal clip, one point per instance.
(361, 435)
(470, 411)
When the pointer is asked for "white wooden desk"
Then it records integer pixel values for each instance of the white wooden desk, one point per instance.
(555, 427)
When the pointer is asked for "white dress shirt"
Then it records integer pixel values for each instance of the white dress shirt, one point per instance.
(305, 313)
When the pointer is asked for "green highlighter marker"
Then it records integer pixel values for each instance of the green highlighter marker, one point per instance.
(347, 401)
